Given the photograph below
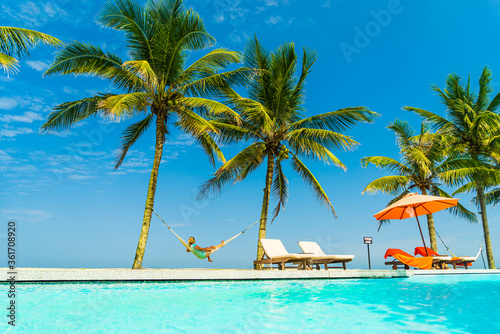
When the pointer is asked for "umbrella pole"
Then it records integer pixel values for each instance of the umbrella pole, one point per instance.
(425, 247)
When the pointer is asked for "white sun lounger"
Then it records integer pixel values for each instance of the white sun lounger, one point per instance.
(276, 253)
(321, 258)
(465, 260)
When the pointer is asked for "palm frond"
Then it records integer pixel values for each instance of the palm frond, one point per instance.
(18, 41)
(124, 105)
(212, 62)
(389, 164)
(8, 63)
(309, 178)
(459, 210)
(326, 138)
(210, 107)
(66, 114)
(211, 148)
(279, 188)
(212, 84)
(143, 70)
(130, 136)
(230, 133)
(305, 147)
(193, 123)
(482, 100)
(81, 58)
(491, 197)
(404, 133)
(466, 188)
(233, 170)
(392, 185)
(309, 57)
(493, 106)
(436, 121)
(337, 121)
(255, 113)
(128, 16)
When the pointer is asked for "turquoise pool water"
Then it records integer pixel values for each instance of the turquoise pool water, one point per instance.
(445, 304)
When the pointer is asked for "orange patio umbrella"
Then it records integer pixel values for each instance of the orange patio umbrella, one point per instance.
(414, 205)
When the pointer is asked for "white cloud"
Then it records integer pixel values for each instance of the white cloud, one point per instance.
(116, 172)
(27, 215)
(80, 177)
(169, 156)
(5, 157)
(6, 79)
(58, 160)
(132, 163)
(64, 170)
(20, 169)
(274, 19)
(271, 3)
(49, 9)
(36, 15)
(85, 149)
(231, 10)
(140, 171)
(12, 132)
(181, 140)
(37, 65)
(27, 117)
(219, 18)
(62, 134)
(7, 103)
(235, 37)
(69, 90)
(26, 102)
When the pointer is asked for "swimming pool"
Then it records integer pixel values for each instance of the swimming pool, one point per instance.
(431, 304)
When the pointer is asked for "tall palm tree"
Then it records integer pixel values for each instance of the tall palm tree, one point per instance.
(16, 42)
(424, 166)
(272, 123)
(156, 84)
(492, 196)
(474, 123)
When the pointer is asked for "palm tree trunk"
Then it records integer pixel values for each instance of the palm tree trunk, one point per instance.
(430, 226)
(146, 221)
(486, 228)
(432, 232)
(265, 205)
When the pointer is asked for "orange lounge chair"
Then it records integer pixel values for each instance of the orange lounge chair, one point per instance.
(465, 261)
(403, 258)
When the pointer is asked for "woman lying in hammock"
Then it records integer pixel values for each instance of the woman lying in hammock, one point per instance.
(201, 252)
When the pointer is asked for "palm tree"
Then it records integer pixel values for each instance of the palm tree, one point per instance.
(272, 123)
(474, 123)
(17, 42)
(156, 83)
(424, 166)
(492, 196)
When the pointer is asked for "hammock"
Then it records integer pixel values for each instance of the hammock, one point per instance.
(213, 250)
(479, 252)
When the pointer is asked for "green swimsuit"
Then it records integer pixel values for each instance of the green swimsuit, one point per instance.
(201, 254)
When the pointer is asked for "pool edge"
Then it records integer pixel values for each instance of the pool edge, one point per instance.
(33, 275)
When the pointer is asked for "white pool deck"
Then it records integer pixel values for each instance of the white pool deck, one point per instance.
(125, 275)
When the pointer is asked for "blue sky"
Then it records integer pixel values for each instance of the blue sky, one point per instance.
(73, 210)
